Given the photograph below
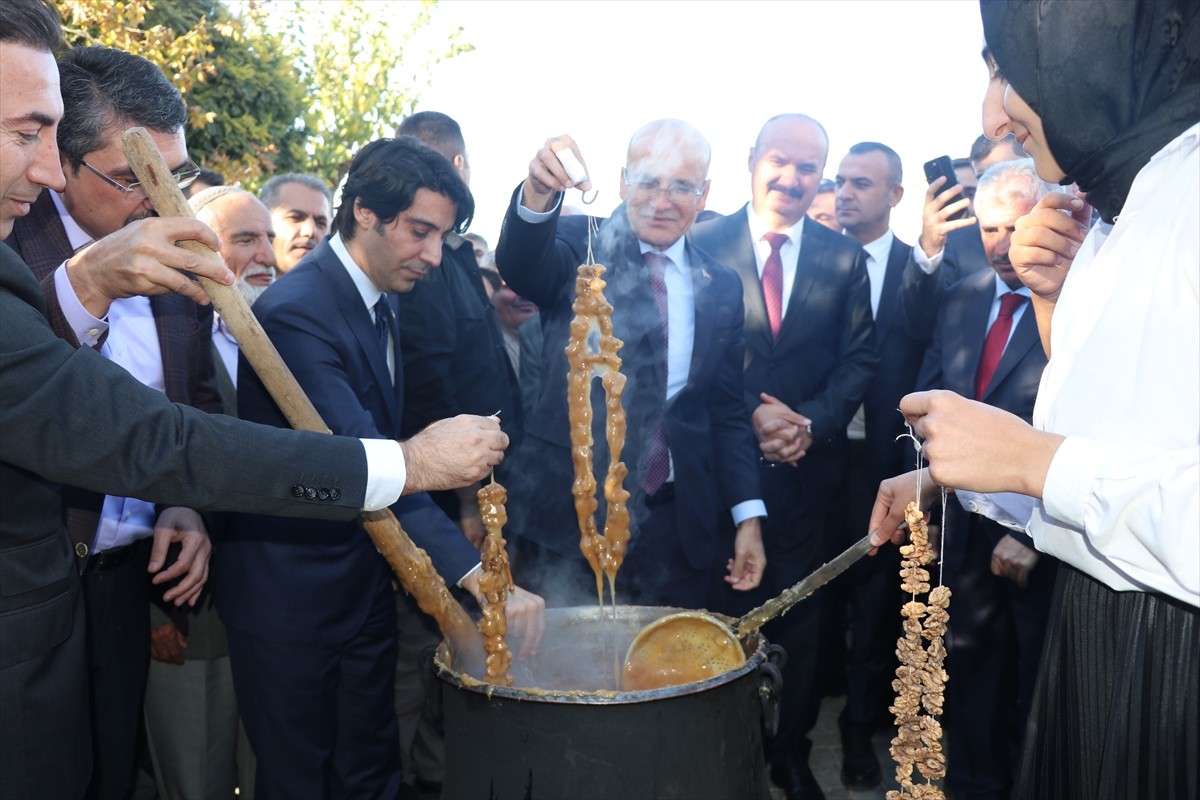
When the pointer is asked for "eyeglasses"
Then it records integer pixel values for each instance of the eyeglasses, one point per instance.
(678, 192)
(184, 177)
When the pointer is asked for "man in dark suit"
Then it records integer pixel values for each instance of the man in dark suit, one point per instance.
(688, 447)
(986, 346)
(69, 416)
(163, 341)
(810, 354)
(868, 188)
(309, 607)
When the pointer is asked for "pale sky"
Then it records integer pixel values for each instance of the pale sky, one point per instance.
(903, 72)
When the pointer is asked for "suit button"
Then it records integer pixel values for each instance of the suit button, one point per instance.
(81, 549)
(310, 493)
(297, 490)
(973, 506)
(323, 493)
(335, 493)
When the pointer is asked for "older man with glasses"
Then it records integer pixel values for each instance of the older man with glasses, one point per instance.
(96, 252)
(689, 447)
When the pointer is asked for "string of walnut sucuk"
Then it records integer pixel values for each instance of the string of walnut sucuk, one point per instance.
(593, 314)
(495, 583)
(921, 677)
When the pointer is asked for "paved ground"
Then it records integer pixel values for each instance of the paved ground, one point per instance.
(826, 759)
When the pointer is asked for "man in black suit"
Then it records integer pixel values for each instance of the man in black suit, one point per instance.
(69, 416)
(810, 354)
(868, 188)
(163, 341)
(689, 447)
(309, 607)
(986, 346)
(454, 363)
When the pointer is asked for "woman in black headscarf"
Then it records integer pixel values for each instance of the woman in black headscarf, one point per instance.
(1105, 94)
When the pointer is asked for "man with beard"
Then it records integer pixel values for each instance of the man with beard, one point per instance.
(162, 341)
(247, 245)
(299, 206)
(810, 354)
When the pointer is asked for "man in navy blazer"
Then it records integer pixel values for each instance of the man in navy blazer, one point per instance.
(869, 186)
(810, 353)
(310, 606)
(1002, 585)
(689, 447)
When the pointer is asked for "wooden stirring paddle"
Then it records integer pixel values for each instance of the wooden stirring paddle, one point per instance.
(410, 562)
(694, 645)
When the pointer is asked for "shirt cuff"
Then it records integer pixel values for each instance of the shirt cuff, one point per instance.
(535, 217)
(1073, 472)
(88, 329)
(1009, 509)
(748, 509)
(927, 264)
(470, 572)
(386, 473)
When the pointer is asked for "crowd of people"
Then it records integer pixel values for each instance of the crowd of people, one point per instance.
(185, 584)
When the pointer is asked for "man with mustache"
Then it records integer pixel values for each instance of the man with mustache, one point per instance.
(810, 354)
(299, 206)
(163, 341)
(986, 346)
(244, 225)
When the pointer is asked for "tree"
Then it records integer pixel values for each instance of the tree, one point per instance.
(363, 80)
(277, 86)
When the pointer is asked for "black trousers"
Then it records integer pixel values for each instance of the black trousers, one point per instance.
(117, 610)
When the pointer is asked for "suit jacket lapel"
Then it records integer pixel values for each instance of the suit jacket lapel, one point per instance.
(358, 319)
(1024, 337)
(808, 266)
(974, 324)
(40, 237)
(706, 309)
(889, 299)
(171, 343)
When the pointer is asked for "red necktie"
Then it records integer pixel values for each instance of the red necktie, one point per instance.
(772, 282)
(658, 463)
(997, 337)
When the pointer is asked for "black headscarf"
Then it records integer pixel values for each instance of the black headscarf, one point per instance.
(1113, 81)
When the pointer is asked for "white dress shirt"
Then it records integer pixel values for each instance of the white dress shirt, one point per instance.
(789, 252)
(1122, 497)
(877, 258)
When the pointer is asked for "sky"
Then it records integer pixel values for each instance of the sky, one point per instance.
(903, 72)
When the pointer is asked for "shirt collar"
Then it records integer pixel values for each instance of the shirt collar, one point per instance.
(76, 235)
(366, 288)
(881, 247)
(1002, 289)
(676, 252)
(758, 229)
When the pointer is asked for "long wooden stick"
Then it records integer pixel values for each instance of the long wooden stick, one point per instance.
(410, 562)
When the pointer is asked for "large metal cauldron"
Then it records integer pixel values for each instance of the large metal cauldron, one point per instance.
(575, 736)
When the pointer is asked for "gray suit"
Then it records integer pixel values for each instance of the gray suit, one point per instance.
(69, 416)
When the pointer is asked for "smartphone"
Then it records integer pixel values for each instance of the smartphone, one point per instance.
(942, 167)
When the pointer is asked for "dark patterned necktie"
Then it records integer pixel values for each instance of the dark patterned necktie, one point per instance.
(658, 463)
(997, 338)
(383, 325)
(772, 282)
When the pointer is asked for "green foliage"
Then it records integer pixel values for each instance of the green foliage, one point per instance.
(278, 86)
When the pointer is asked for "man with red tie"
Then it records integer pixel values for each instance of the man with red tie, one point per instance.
(986, 346)
(810, 354)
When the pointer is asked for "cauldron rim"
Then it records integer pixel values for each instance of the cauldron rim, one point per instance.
(602, 697)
